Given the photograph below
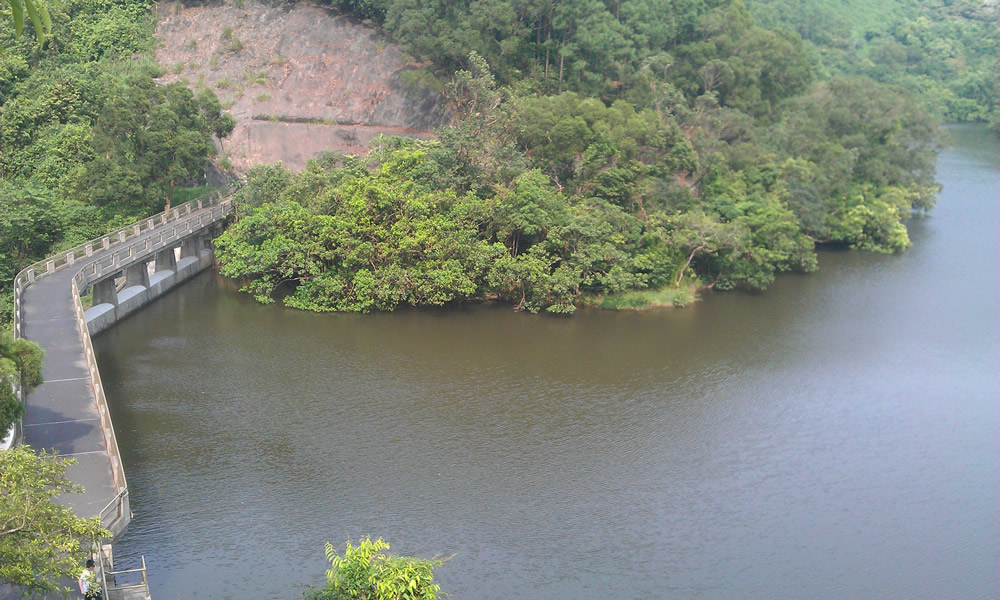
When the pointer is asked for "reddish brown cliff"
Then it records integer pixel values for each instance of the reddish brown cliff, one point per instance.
(299, 79)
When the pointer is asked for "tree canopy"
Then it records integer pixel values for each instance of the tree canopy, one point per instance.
(945, 53)
(364, 572)
(41, 541)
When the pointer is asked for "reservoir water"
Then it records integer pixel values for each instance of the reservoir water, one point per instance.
(837, 436)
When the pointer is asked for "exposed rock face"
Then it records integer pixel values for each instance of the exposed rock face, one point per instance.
(299, 79)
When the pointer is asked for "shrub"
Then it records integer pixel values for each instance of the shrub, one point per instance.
(366, 573)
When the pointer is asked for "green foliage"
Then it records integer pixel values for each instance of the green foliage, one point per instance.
(42, 543)
(943, 52)
(749, 56)
(544, 201)
(364, 572)
(37, 12)
(20, 364)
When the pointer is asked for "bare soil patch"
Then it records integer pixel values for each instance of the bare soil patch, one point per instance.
(299, 79)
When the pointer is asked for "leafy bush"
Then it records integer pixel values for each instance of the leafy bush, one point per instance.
(20, 362)
(364, 572)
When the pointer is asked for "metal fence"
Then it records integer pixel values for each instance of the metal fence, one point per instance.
(125, 584)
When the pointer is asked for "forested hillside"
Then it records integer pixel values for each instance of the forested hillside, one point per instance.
(944, 51)
(88, 141)
(615, 152)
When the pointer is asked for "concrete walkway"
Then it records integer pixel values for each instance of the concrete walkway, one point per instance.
(62, 413)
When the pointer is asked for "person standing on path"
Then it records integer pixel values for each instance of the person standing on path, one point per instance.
(87, 581)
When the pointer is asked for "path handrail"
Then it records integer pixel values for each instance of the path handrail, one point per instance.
(164, 237)
(117, 469)
(110, 585)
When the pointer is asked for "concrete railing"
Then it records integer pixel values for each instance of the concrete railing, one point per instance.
(117, 514)
(144, 248)
(66, 258)
(167, 227)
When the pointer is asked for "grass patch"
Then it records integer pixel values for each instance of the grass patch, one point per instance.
(263, 97)
(259, 78)
(642, 299)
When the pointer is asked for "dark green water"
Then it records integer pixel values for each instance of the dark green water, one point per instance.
(835, 437)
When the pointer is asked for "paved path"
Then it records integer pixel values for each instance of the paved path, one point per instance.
(61, 414)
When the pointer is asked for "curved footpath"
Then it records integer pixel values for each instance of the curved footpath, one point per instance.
(62, 413)
(68, 412)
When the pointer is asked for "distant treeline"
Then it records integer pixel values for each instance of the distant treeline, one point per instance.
(945, 51)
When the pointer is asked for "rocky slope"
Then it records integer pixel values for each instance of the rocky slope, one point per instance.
(299, 79)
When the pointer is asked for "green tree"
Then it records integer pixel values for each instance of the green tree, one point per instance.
(41, 542)
(364, 572)
(20, 364)
(699, 234)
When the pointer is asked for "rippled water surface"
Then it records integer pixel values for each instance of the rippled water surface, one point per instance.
(834, 437)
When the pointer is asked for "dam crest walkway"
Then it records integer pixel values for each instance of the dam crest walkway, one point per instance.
(68, 412)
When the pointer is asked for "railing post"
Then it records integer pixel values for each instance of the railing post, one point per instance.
(70, 258)
(50, 266)
(89, 249)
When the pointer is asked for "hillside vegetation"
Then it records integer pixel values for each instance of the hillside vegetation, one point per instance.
(943, 51)
(602, 148)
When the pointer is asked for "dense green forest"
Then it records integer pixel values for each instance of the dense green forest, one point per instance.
(88, 141)
(943, 51)
(616, 153)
